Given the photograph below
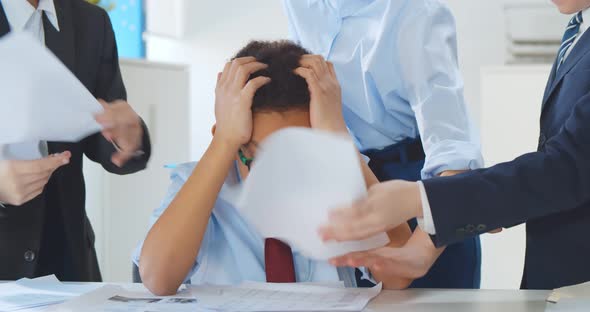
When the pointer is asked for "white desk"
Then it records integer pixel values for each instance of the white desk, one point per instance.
(460, 300)
(454, 301)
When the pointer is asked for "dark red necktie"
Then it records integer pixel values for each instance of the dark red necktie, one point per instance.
(278, 260)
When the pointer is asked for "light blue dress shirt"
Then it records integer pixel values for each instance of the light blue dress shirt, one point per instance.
(397, 63)
(232, 251)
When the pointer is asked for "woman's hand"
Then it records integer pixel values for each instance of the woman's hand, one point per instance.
(233, 100)
(23, 180)
(122, 126)
(387, 205)
(326, 96)
(412, 261)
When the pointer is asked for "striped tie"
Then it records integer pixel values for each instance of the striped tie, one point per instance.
(571, 33)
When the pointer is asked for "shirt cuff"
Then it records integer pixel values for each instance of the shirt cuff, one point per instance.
(451, 155)
(367, 275)
(365, 158)
(426, 223)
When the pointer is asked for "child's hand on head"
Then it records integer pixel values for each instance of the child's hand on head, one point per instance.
(233, 99)
(325, 92)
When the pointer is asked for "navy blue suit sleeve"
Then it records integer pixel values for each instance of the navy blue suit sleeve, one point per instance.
(110, 87)
(553, 180)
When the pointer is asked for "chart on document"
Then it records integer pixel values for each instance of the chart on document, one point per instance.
(259, 297)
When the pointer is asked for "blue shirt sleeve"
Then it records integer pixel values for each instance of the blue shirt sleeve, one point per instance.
(433, 85)
(293, 35)
(178, 177)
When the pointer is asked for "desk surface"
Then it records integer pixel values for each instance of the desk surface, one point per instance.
(415, 300)
(460, 300)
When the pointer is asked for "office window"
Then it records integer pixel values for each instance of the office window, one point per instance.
(127, 17)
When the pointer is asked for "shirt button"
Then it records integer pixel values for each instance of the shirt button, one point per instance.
(29, 256)
(470, 228)
(481, 228)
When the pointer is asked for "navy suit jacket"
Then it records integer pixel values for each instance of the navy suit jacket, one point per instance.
(548, 189)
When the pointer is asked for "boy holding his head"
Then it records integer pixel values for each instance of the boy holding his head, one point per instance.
(197, 233)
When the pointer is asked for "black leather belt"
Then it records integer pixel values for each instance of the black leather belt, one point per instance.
(409, 150)
(405, 152)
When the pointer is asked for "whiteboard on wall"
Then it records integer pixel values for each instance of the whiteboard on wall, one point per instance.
(119, 206)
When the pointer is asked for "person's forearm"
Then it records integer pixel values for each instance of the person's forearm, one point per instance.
(370, 178)
(172, 244)
(433, 251)
(398, 238)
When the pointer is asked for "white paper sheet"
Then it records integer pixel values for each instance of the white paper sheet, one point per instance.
(262, 297)
(23, 150)
(581, 291)
(114, 298)
(32, 293)
(297, 177)
(40, 99)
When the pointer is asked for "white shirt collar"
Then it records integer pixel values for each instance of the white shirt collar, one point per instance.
(586, 24)
(18, 12)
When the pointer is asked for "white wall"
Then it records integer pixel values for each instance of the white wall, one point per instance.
(511, 100)
(212, 36)
(216, 29)
(482, 41)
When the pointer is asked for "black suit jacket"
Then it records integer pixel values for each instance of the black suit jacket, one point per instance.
(52, 234)
(548, 189)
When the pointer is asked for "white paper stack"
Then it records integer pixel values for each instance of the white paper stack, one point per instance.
(130, 298)
(40, 292)
(40, 99)
(298, 176)
(574, 298)
(265, 297)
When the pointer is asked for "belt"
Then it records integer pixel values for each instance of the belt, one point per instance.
(406, 153)
(409, 150)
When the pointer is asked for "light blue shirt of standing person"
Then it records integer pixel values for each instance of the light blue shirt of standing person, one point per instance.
(232, 251)
(397, 63)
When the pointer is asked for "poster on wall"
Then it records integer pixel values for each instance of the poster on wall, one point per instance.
(127, 17)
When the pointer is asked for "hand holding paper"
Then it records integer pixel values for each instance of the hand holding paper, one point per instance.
(23, 180)
(299, 175)
(122, 126)
(375, 213)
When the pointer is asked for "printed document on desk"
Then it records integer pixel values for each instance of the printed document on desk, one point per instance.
(298, 175)
(265, 297)
(115, 298)
(40, 98)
